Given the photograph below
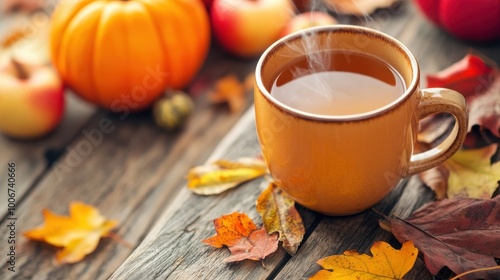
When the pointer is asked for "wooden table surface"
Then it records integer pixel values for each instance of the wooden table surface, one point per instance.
(136, 175)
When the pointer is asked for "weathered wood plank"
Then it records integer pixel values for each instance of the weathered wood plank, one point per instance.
(129, 169)
(173, 249)
(334, 235)
(187, 221)
(33, 157)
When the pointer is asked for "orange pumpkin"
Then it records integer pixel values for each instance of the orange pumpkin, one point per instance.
(121, 54)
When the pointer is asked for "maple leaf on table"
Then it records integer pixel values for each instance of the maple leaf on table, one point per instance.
(229, 89)
(78, 234)
(468, 173)
(358, 7)
(280, 215)
(240, 234)
(386, 263)
(217, 177)
(462, 234)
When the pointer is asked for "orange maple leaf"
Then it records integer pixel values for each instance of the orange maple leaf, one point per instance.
(78, 234)
(229, 89)
(240, 234)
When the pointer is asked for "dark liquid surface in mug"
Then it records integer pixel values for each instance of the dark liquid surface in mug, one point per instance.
(337, 83)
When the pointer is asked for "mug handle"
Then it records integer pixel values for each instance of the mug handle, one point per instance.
(440, 100)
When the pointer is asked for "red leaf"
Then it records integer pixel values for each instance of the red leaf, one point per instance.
(462, 234)
(480, 84)
(469, 76)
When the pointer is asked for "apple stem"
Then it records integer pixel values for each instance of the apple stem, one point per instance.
(20, 69)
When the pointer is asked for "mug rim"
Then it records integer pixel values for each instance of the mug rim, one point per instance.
(350, 117)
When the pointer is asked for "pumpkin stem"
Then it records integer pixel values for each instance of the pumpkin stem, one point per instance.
(21, 71)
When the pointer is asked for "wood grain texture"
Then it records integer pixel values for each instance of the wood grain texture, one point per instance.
(173, 249)
(34, 157)
(129, 170)
(135, 174)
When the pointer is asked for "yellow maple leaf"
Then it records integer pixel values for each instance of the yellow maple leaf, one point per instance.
(219, 176)
(472, 174)
(386, 263)
(78, 234)
(468, 173)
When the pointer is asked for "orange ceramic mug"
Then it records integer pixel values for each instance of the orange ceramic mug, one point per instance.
(341, 165)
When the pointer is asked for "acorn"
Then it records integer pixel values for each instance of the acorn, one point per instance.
(172, 110)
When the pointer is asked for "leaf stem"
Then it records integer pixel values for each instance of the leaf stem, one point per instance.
(263, 264)
(120, 240)
(21, 72)
(475, 270)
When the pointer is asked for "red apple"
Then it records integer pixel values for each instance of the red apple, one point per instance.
(474, 20)
(31, 99)
(306, 20)
(247, 27)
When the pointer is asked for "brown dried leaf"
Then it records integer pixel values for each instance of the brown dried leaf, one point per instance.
(462, 234)
(229, 89)
(484, 109)
(280, 215)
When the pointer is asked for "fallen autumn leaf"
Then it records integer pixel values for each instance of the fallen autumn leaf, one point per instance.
(217, 177)
(462, 234)
(78, 234)
(469, 76)
(280, 215)
(240, 234)
(468, 173)
(386, 263)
